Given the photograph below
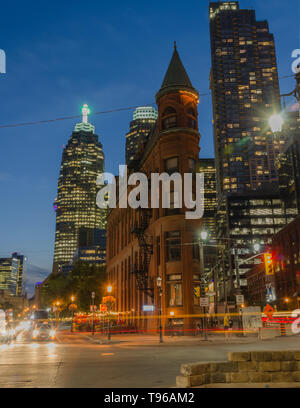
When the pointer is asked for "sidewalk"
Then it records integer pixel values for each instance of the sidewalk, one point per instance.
(142, 340)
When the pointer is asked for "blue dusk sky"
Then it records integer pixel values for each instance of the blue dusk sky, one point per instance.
(61, 54)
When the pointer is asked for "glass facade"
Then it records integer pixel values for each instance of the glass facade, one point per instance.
(144, 119)
(82, 162)
(12, 271)
(245, 92)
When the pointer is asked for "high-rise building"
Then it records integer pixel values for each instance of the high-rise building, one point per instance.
(75, 205)
(144, 119)
(245, 93)
(248, 219)
(208, 167)
(288, 163)
(12, 271)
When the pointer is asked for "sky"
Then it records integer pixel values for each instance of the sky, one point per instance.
(111, 55)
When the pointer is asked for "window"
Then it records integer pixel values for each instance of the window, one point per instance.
(174, 291)
(169, 122)
(169, 118)
(169, 111)
(174, 204)
(171, 165)
(192, 165)
(191, 123)
(174, 277)
(173, 246)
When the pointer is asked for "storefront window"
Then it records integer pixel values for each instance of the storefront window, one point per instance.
(174, 294)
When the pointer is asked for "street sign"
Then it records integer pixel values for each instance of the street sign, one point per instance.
(148, 308)
(240, 299)
(204, 302)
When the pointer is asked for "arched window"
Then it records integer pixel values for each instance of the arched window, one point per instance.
(191, 112)
(169, 118)
(168, 111)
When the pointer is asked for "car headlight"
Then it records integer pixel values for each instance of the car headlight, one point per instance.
(35, 333)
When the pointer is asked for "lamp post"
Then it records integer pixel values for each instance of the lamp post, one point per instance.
(93, 302)
(57, 304)
(159, 289)
(108, 304)
(72, 300)
(204, 236)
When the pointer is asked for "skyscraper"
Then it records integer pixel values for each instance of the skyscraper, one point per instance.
(288, 163)
(144, 119)
(12, 273)
(75, 205)
(208, 167)
(245, 92)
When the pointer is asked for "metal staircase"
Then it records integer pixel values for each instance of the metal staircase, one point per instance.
(144, 283)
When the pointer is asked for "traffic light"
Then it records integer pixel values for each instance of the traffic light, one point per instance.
(197, 291)
(269, 266)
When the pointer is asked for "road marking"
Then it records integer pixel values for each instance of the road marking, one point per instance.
(107, 354)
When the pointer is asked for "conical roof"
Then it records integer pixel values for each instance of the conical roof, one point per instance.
(176, 76)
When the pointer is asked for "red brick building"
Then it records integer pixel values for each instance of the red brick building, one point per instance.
(286, 247)
(256, 285)
(145, 244)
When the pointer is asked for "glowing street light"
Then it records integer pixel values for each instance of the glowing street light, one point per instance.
(109, 288)
(256, 247)
(276, 122)
(204, 235)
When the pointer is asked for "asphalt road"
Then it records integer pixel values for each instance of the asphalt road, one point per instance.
(84, 364)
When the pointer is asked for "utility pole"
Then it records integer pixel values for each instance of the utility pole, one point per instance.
(202, 286)
(93, 301)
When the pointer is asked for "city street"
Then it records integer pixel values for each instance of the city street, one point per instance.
(75, 361)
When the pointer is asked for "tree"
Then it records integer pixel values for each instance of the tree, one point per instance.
(80, 282)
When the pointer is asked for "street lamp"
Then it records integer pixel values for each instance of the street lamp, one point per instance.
(276, 122)
(72, 309)
(57, 304)
(204, 236)
(108, 304)
(256, 247)
(93, 302)
(159, 287)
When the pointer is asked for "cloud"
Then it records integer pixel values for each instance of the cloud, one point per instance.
(33, 275)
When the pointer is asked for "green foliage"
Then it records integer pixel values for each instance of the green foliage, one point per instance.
(80, 282)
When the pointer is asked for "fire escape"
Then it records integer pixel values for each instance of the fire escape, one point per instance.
(141, 270)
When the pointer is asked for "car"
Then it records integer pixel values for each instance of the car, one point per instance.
(43, 332)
